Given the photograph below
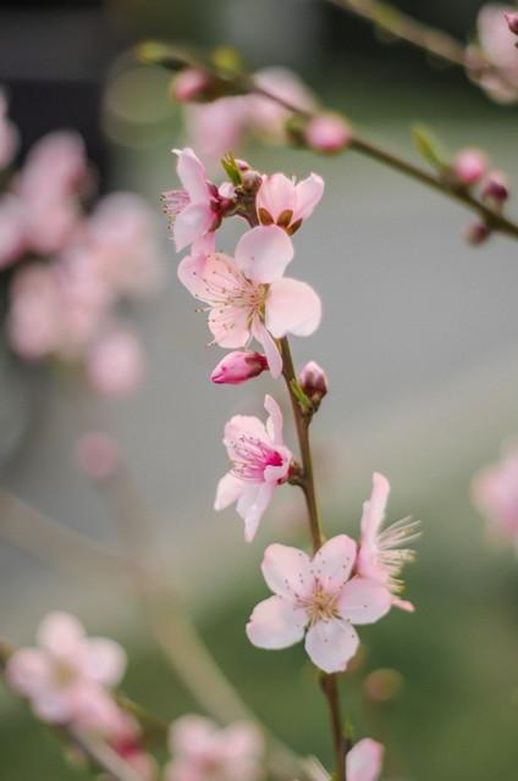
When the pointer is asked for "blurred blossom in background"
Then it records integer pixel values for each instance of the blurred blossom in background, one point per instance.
(101, 356)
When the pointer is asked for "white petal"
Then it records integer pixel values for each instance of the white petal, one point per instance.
(333, 563)
(276, 623)
(364, 601)
(251, 506)
(292, 307)
(228, 491)
(364, 761)
(271, 350)
(274, 422)
(331, 644)
(263, 253)
(287, 571)
(60, 633)
(374, 508)
(105, 661)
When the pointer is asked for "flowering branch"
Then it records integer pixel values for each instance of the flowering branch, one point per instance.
(233, 80)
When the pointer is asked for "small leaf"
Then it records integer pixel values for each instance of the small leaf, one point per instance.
(429, 147)
(231, 169)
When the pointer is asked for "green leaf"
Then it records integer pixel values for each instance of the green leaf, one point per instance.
(429, 147)
(231, 169)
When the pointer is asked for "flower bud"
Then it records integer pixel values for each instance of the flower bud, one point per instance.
(238, 367)
(313, 382)
(190, 85)
(327, 133)
(496, 188)
(469, 166)
(477, 233)
(512, 21)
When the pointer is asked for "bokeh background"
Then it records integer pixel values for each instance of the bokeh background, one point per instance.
(420, 341)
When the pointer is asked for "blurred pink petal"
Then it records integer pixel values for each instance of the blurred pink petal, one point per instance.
(364, 761)
(115, 364)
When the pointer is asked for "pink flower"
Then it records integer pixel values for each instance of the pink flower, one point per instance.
(189, 84)
(203, 752)
(283, 202)
(380, 555)
(58, 675)
(327, 133)
(495, 494)
(469, 166)
(115, 363)
(214, 128)
(320, 596)
(260, 463)
(364, 761)
(247, 296)
(238, 367)
(195, 210)
(268, 118)
(9, 136)
(498, 46)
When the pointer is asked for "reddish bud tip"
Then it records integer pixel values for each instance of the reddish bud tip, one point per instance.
(327, 133)
(512, 21)
(469, 166)
(496, 188)
(477, 233)
(238, 367)
(313, 382)
(190, 85)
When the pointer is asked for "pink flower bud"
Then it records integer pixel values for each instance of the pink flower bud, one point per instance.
(238, 367)
(189, 85)
(328, 133)
(496, 188)
(469, 166)
(97, 455)
(477, 233)
(512, 21)
(313, 382)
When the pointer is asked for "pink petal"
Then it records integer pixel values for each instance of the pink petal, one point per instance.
(308, 194)
(242, 741)
(251, 507)
(270, 348)
(292, 307)
(331, 644)
(276, 194)
(191, 268)
(105, 661)
(228, 491)
(276, 623)
(364, 601)
(190, 735)
(264, 252)
(175, 201)
(364, 761)
(29, 671)
(192, 175)
(240, 426)
(287, 571)
(374, 508)
(55, 706)
(333, 563)
(192, 223)
(274, 422)
(61, 634)
(403, 604)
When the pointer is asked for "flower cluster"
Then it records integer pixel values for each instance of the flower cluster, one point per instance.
(68, 270)
(497, 74)
(248, 297)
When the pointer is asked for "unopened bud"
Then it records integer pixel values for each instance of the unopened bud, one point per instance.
(313, 382)
(477, 233)
(496, 188)
(327, 133)
(469, 166)
(512, 21)
(190, 85)
(238, 367)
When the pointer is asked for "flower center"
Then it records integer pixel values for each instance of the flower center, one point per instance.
(321, 605)
(251, 456)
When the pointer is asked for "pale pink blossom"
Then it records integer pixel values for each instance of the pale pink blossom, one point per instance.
(115, 363)
(265, 116)
(260, 462)
(469, 166)
(204, 752)
(189, 84)
(9, 136)
(381, 556)
(247, 296)
(498, 47)
(195, 210)
(59, 675)
(364, 761)
(97, 455)
(214, 128)
(120, 235)
(327, 133)
(317, 598)
(237, 367)
(286, 203)
(495, 494)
